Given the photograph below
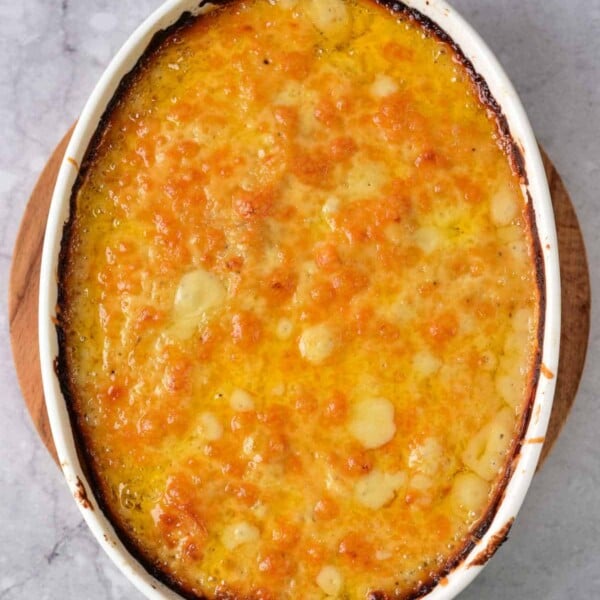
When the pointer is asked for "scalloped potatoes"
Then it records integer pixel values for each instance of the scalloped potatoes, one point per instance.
(299, 306)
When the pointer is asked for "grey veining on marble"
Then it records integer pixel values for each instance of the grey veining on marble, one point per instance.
(51, 54)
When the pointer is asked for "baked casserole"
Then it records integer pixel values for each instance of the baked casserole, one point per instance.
(299, 303)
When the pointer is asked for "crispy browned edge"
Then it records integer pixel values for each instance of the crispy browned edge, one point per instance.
(494, 543)
(83, 446)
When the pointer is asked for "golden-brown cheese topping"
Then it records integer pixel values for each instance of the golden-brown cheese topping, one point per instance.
(299, 304)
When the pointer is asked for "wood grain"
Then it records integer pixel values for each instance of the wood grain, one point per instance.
(575, 305)
(24, 290)
(24, 287)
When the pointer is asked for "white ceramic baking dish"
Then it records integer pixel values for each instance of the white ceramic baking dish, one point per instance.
(502, 91)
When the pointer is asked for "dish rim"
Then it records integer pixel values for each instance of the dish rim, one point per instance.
(501, 89)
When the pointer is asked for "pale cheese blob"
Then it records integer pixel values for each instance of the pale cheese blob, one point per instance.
(209, 427)
(293, 93)
(421, 490)
(286, 4)
(401, 310)
(426, 457)
(284, 329)
(372, 422)
(241, 401)
(330, 580)
(331, 17)
(306, 274)
(239, 533)
(523, 321)
(259, 510)
(198, 292)
(503, 207)
(330, 208)
(508, 384)
(486, 452)
(290, 94)
(316, 343)
(425, 363)
(469, 494)
(331, 205)
(520, 251)
(428, 239)
(334, 483)
(488, 361)
(377, 489)
(383, 554)
(248, 445)
(366, 178)
(383, 86)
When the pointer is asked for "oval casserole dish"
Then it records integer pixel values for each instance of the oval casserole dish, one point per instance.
(445, 24)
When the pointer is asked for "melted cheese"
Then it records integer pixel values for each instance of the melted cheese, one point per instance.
(241, 400)
(198, 293)
(372, 422)
(316, 343)
(239, 533)
(300, 307)
(330, 581)
(377, 489)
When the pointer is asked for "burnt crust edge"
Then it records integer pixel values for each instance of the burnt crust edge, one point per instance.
(86, 456)
(493, 545)
(81, 495)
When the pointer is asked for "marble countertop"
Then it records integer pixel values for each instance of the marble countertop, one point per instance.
(51, 54)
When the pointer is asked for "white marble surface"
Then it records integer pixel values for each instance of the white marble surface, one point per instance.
(52, 52)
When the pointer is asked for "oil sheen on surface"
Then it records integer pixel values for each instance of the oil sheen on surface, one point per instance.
(299, 304)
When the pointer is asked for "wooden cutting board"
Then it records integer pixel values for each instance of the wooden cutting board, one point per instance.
(24, 285)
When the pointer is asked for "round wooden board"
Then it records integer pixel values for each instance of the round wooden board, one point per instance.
(24, 286)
